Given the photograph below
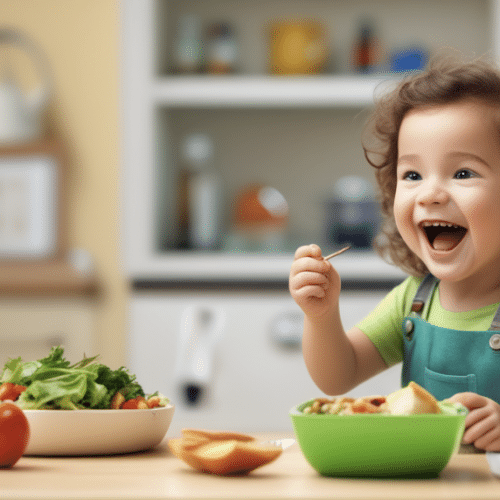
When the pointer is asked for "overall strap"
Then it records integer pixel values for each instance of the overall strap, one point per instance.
(495, 324)
(424, 292)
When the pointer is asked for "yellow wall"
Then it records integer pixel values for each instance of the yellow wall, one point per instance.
(81, 40)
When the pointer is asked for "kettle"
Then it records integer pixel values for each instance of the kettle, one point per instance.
(21, 113)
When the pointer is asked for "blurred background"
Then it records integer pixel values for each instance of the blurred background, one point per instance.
(160, 161)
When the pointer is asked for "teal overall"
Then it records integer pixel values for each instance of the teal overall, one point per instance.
(446, 361)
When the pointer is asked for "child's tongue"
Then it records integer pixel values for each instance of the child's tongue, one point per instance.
(445, 241)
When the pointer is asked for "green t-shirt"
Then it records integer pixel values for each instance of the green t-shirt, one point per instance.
(383, 325)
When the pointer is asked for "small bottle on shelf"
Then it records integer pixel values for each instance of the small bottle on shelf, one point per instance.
(366, 51)
(202, 190)
(188, 53)
(221, 57)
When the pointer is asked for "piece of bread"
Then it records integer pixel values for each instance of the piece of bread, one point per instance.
(220, 452)
(177, 448)
(232, 457)
(411, 400)
(216, 435)
(192, 442)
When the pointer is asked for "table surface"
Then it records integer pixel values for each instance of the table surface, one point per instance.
(157, 474)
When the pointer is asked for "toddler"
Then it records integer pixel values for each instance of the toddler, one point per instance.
(436, 151)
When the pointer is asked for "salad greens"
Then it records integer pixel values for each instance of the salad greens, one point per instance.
(452, 408)
(53, 383)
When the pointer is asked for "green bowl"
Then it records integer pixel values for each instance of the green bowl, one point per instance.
(378, 445)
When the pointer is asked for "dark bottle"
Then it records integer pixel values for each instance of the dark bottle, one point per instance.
(365, 50)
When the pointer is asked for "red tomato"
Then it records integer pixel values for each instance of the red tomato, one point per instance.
(138, 403)
(14, 434)
(10, 391)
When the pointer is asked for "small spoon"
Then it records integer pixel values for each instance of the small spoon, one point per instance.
(338, 252)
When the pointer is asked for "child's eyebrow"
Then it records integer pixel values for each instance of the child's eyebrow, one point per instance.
(468, 156)
(461, 155)
(413, 158)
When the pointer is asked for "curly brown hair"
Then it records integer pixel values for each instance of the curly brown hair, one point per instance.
(444, 81)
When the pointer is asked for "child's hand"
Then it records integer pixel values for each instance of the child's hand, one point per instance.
(482, 424)
(314, 284)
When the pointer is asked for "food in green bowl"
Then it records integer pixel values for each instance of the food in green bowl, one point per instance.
(365, 439)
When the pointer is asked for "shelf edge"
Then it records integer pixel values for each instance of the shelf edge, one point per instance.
(171, 267)
(49, 279)
(269, 91)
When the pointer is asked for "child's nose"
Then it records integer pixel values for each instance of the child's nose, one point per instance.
(432, 192)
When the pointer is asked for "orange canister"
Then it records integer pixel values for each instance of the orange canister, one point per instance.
(298, 47)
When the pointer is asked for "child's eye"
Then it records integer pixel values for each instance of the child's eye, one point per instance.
(412, 176)
(464, 173)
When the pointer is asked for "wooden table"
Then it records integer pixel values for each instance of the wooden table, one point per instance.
(158, 474)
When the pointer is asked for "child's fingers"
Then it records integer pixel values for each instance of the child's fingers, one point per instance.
(490, 442)
(311, 277)
(311, 250)
(478, 426)
(306, 278)
(477, 406)
(477, 415)
(470, 400)
(484, 434)
(309, 291)
(492, 446)
(310, 265)
(482, 424)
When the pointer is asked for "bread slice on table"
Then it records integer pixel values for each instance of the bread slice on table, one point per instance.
(216, 435)
(222, 453)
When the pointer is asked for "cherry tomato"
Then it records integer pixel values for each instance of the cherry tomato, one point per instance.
(153, 402)
(138, 403)
(14, 434)
(10, 391)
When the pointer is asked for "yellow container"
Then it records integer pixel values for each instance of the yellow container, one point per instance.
(298, 47)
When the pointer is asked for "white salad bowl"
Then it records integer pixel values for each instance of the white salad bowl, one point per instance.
(96, 432)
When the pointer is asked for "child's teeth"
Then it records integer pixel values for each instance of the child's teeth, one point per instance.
(442, 224)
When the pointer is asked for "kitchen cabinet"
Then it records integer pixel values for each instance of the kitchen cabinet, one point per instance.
(297, 134)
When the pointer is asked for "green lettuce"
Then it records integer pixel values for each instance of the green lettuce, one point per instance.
(53, 383)
(452, 408)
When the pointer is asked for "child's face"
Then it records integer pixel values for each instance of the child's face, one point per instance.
(447, 202)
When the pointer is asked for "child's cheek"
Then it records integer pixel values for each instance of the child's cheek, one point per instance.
(403, 215)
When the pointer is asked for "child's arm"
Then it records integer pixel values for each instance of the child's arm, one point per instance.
(482, 424)
(337, 361)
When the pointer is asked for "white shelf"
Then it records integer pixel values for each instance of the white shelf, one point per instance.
(269, 91)
(159, 109)
(363, 266)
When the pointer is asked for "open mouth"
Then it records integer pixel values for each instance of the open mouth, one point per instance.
(443, 236)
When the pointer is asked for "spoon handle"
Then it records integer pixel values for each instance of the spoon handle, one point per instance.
(338, 252)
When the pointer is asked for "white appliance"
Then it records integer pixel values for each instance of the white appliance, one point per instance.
(232, 360)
